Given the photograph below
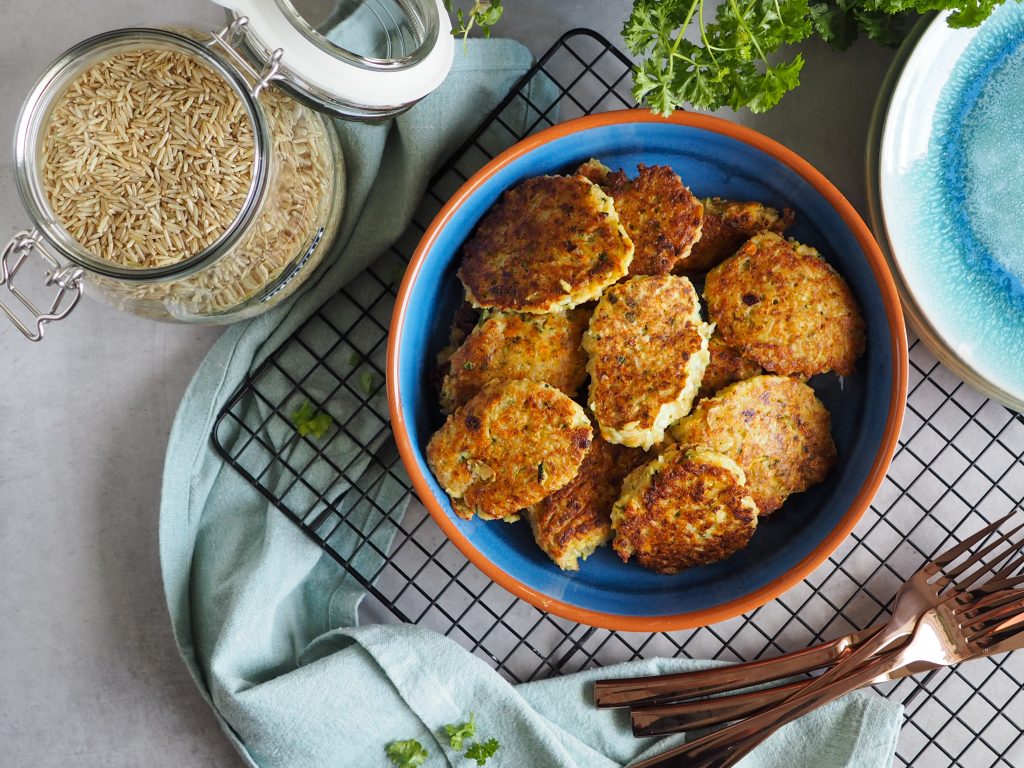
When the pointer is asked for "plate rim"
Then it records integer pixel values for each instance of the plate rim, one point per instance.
(879, 467)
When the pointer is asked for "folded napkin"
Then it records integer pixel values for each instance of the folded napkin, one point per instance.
(266, 622)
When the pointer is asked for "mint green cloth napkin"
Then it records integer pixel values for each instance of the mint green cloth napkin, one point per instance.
(266, 622)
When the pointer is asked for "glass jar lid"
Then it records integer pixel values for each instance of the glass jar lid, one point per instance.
(361, 59)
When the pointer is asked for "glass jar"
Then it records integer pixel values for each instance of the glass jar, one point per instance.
(217, 206)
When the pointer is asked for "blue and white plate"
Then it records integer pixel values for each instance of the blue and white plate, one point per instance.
(951, 196)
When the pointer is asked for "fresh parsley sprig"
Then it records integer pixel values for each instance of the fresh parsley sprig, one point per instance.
(739, 59)
(484, 14)
(740, 56)
(457, 734)
(407, 753)
(482, 751)
(410, 753)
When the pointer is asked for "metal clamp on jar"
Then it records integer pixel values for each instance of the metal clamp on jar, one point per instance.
(195, 177)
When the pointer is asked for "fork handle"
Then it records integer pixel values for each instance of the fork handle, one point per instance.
(680, 686)
(729, 745)
(682, 716)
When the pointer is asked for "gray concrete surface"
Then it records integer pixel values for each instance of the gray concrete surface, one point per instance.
(89, 674)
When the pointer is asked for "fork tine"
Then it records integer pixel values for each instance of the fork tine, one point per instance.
(986, 565)
(972, 611)
(998, 619)
(1014, 622)
(953, 553)
(1009, 568)
(993, 585)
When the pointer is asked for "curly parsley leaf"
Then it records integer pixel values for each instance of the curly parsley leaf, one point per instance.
(309, 421)
(482, 751)
(457, 734)
(408, 753)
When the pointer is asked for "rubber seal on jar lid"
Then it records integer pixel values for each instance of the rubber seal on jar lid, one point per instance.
(354, 58)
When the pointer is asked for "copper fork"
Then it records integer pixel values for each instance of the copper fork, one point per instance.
(924, 589)
(690, 715)
(944, 635)
(935, 583)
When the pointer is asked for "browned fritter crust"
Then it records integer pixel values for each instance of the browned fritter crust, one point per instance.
(510, 446)
(511, 345)
(465, 320)
(774, 427)
(662, 217)
(725, 366)
(781, 304)
(647, 350)
(726, 225)
(595, 171)
(551, 243)
(575, 520)
(687, 507)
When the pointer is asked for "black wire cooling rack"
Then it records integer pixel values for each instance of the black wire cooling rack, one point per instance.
(958, 466)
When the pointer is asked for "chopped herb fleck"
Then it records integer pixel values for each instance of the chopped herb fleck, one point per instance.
(309, 421)
(367, 381)
(353, 359)
(540, 472)
(468, 365)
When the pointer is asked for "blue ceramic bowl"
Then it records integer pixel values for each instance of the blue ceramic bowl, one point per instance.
(713, 157)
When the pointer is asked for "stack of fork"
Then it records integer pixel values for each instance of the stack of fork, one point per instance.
(960, 605)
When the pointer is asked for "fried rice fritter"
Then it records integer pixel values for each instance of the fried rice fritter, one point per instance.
(511, 345)
(575, 520)
(510, 446)
(687, 507)
(726, 225)
(551, 243)
(774, 427)
(781, 304)
(725, 366)
(661, 216)
(647, 349)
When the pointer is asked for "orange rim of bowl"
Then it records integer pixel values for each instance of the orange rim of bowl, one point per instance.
(894, 420)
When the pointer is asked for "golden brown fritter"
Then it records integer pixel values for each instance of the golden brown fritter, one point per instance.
(511, 345)
(774, 427)
(725, 366)
(574, 521)
(661, 216)
(647, 348)
(781, 304)
(510, 446)
(685, 508)
(726, 225)
(551, 243)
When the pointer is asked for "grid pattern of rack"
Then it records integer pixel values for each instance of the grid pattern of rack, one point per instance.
(959, 464)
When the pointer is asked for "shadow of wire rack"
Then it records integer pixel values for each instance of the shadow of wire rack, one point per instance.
(958, 465)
